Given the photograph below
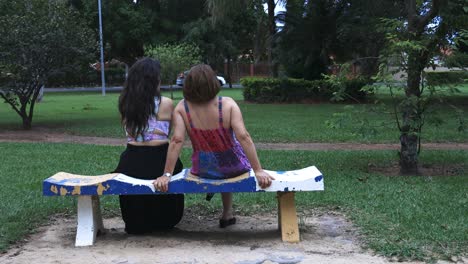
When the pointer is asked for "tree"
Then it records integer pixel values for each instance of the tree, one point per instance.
(424, 30)
(311, 26)
(39, 39)
(130, 25)
(222, 10)
(127, 26)
(174, 59)
(456, 56)
(358, 38)
(225, 38)
(326, 32)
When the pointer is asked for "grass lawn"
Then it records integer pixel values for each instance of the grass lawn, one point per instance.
(408, 217)
(91, 114)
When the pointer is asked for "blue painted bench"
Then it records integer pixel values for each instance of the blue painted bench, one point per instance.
(89, 188)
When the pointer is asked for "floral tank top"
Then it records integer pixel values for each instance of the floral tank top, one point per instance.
(153, 126)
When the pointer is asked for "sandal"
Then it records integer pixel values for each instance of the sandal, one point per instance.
(225, 223)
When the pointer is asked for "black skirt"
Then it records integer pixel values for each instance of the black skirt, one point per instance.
(147, 213)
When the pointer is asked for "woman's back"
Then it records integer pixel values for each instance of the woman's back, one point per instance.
(156, 131)
(206, 116)
(216, 151)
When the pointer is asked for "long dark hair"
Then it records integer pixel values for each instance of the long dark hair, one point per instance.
(136, 102)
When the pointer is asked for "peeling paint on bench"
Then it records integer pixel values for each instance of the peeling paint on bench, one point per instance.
(89, 188)
(307, 179)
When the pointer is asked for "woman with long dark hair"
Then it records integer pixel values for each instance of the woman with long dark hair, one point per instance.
(146, 118)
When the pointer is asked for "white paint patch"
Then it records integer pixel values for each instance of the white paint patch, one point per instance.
(135, 182)
(296, 180)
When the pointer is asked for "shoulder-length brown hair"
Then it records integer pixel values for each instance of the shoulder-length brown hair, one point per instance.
(201, 84)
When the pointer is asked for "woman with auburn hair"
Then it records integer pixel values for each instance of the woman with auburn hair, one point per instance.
(222, 147)
(146, 117)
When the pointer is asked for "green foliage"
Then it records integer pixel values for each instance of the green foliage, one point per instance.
(225, 37)
(346, 86)
(457, 60)
(270, 90)
(311, 26)
(126, 27)
(174, 59)
(168, 18)
(40, 39)
(413, 41)
(448, 77)
(88, 77)
(325, 32)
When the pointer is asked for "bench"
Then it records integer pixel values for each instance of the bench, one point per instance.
(89, 188)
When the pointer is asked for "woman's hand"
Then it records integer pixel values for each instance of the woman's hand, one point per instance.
(162, 184)
(264, 179)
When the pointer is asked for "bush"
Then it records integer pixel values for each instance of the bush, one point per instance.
(446, 77)
(87, 77)
(271, 90)
(457, 59)
(353, 89)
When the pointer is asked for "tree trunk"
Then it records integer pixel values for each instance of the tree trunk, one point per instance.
(410, 129)
(27, 120)
(26, 123)
(229, 71)
(271, 44)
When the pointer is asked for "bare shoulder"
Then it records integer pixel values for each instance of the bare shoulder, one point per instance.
(229, 104)
(166, 104)
(179, 106)
(228, 101)
(166, 101)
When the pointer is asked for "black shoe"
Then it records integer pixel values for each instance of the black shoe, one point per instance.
(209, 196)
(225, 223)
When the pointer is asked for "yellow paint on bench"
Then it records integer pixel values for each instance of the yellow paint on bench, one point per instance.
(195, 178)
(100, 188)
(53, 189)
(76, 190)
(63, 191)
(82, 180)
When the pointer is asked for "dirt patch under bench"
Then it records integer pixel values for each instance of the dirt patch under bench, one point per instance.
(255, 239)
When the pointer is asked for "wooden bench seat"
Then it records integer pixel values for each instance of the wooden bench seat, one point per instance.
(89, 188)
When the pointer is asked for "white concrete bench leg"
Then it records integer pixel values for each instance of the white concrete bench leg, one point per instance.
(89, 220)
(287, 217)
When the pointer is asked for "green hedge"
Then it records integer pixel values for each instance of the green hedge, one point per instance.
(270, 90)
(87, 77)
(446, 77)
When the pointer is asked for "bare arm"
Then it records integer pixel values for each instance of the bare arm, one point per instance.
(237, 124)
(165, 109)
(173, 152)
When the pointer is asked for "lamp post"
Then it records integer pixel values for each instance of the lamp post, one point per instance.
(103, 80)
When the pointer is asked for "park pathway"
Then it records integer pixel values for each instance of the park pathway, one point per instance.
(55, 137)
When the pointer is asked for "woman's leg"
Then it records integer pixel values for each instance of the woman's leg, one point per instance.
(227, 206)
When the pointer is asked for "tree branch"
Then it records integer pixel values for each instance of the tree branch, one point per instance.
(411, 7)
(11, 103)
(412, 15)
(417, 23)
(424, 20)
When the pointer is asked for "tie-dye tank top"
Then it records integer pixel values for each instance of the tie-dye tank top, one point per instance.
(153, 126)
(216, 152)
